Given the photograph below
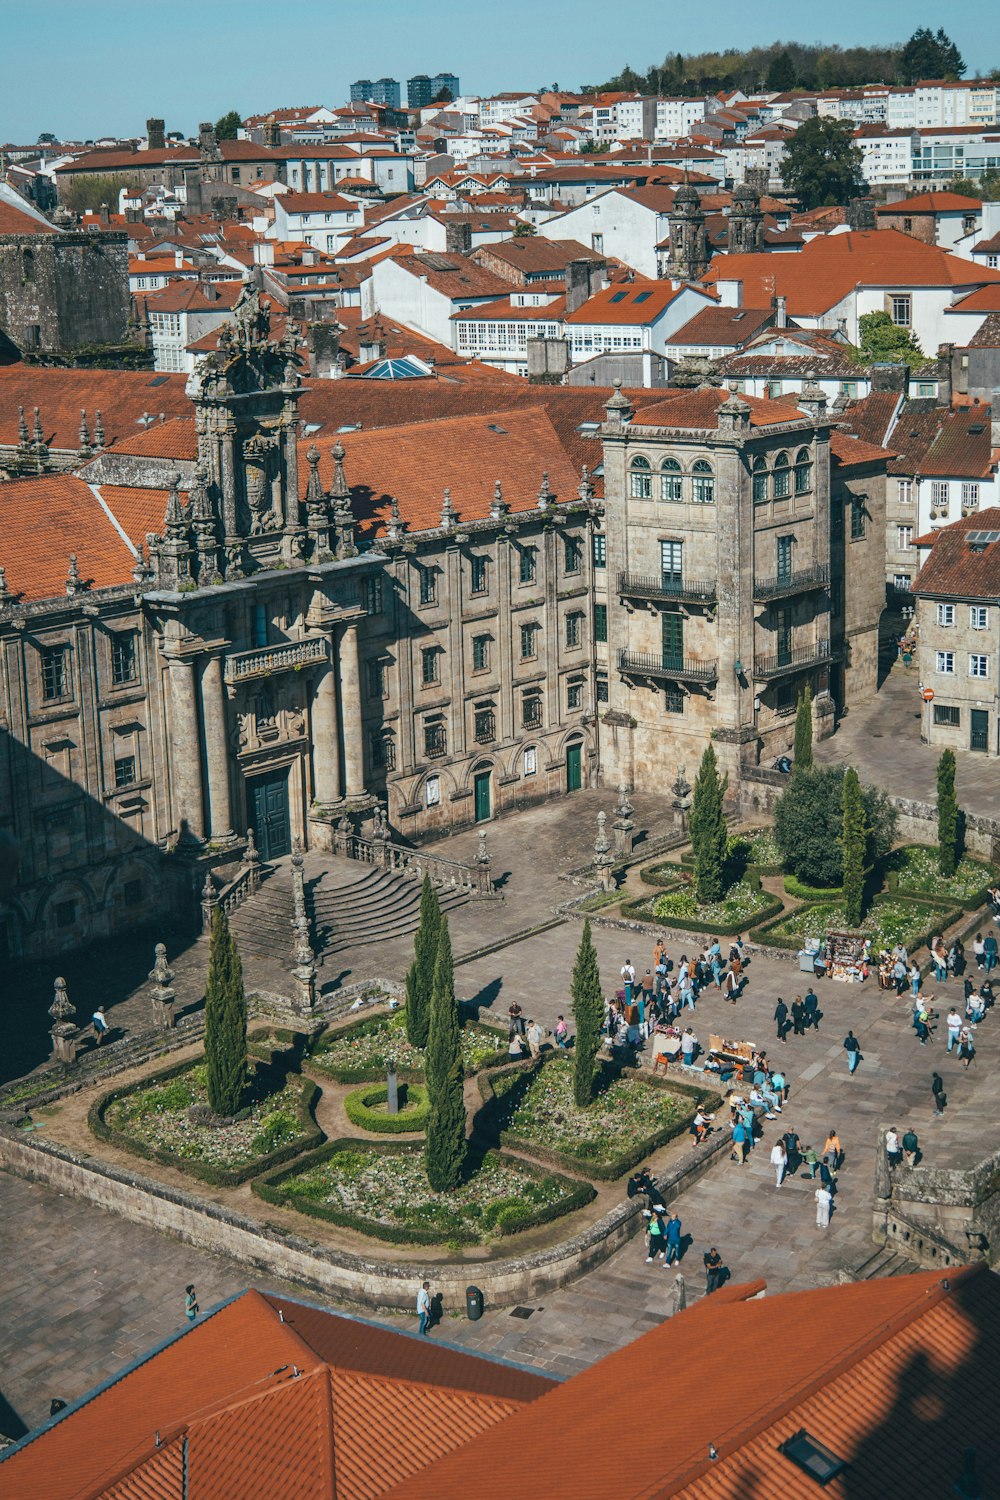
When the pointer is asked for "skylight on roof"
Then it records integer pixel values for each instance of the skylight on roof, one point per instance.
(982, 538)
(159, 380)
(495, 428)
(642, 296)
(812, 1457)
(619, 296)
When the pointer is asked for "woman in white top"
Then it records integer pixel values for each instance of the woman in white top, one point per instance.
(779, 1161)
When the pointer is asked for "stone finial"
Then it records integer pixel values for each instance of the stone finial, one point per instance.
(74, 583)
(85, 448)
(602, 843)
(314, 488)
(394, 529)
(618, 408)
(140, 570)
(37, 432)
(173, 521)
(5, 593)
(98, 430)
(447, 512)
(62, 1008)
(545, 495)
(251, 854)
(339, 489)
(586, 490)
(499, 506)
(22, 429)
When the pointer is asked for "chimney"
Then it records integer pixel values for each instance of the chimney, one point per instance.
(206, 139)
(995, 422)
(178, 259)
(156, 135)
(945, 352)
(104, 216)
(210, 291)
(861, 214)
(323, 343)
(577, 283)
(457, 238)
(781, 312)
(272, 133)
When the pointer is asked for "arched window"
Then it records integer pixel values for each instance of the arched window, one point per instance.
(781, 477)
(642, 479)
(759, 478)
(702, 483)
(670, 480)
(803, 472)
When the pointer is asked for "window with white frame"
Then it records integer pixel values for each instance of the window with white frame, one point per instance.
(642, 480)
(946, 614)
(901, 582)
(979, 666)
(904, 491)
(944, 662)
(671, 481)
(939, 493)
(432, 791)
(900, 310)
(970, 497)
(702, 483)
(979, 617)
(904, 538)
(530, 761)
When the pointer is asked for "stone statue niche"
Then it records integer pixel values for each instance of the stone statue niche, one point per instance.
(260, 465)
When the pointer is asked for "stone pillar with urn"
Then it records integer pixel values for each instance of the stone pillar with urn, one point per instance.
(624, 825)
(162, 995)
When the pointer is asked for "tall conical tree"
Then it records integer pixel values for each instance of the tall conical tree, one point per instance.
(225, 1020)
(802, 752)
(854, 845)
(445, 1144)
(588, 1013)
(708, 829)
(947, 810)
(420, 975)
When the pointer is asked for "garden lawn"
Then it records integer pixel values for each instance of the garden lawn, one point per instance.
(540, 1110)
(364, 1049)
(916, 869)
(754, 846)
(385, 1193)
(888, 922)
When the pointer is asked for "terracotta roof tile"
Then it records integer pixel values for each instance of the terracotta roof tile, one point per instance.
(987, 335)
(312, 203)
(983, 299)
(635, 303)
(932, 203)
(121, 396)
(15, 221)
(700, 409)
(174, 438)
(724, 325)
(848, 452)
(953, 568)
(42, 521)
(190, 296)
(871, 418)
(137, 511)
(961, 448)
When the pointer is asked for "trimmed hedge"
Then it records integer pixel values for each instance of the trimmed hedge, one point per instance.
(652, 875)
(641, 911)
(360, 1111)
(405, 1075)
(511, 1220)
(894, 880)
(208, 1172)
(945, 915)
(795, 887)
(605, 1172)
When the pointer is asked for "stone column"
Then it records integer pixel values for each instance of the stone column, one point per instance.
(185, 748)
(325, 738)
(213, 703)
(350, 701)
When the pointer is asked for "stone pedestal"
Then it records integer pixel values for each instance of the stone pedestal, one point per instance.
(162, 995)
(602, 853)
(392, 1094)
(624, 827)
(64, 1032)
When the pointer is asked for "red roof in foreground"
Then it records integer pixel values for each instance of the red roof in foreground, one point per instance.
(954, 568)
(42, 521)
(245, 1406)
(885, 1374)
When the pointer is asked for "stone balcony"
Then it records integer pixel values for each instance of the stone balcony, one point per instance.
(290, 656)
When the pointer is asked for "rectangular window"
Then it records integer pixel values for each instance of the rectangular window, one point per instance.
(432, 791)
(857, 520)
(529, 761)
(428, 584)
(484, 725)
(373, 596)
(672, 632)
(65, 913)
(901, 582)
(672, 564)
(571, 554)
(528, 642)
(900, 311)
(603, 692)
(944, 662)
(946, 614)
(55, 673)
(573, 630)
(783, 547)
(382, 749)
(599, 547)
(979, 617)
(531, 711)
(376, 679)
(600, 622)
(979, 666)
(480, 653)
(429, 665)
(904, 538)
(574, 695)
(760, 486)
(122, 657)
(673, 701)
(125, 771)
(781, 483)
(947, 715)
(528, 564)
(970, 497)
(939, 493)
(435, 738)
(479, 575)
(904, 491)
(260, 624)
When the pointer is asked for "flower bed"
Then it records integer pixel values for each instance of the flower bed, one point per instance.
(913, 870)
(741, 907)
(359, 1053)
(631, 1116)
(366, 1108)
(382, 1190)
(667, 875)
(151, 1118)
(890, 920)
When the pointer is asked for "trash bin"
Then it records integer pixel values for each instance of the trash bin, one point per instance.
(807, 962)
(473, 1303)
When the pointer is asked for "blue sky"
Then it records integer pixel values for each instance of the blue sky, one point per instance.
(86, 67)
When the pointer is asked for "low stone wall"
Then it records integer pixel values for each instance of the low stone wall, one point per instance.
(360, 1280)
(939, 1215)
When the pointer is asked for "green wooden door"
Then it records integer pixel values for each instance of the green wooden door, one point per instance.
(979, 729)
(269, 810)
(574, 768)
(483, 809)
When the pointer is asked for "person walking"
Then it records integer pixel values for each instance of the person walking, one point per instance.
(191, 1308)
(791, 1143)
(915, 980)
(940, 1097)
(673, 1240)
(781, 1020)
(99, 1021)
(628, 979)
(966, 1046)
(831, 1150)
(535, 1037)
(810, 1003)
(853, 1049)
(990, 952)
(921, 1022)
(424, 1307)
(562, 1033)
(714, 1270)
(824, 1201)
(953, 1022)
(740, 1142)
(811, 1160)
(798, 1017)
(779, 1161)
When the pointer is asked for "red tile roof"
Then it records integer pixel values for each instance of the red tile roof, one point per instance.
(700, 409)
(504, 311)
(953, 568)
(190, 296)
(984, 299)
(849, 452)
(137, 511)
(42, 521)
(635, 303)
(14, 220)
(724, 325)
(124, 161)
(121, 396)
(932, 203)
(315, 203)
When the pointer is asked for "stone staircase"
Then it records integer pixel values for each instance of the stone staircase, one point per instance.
(349, 904)
(884, 1262)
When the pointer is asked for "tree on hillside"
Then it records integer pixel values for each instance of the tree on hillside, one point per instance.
(445, 1145)
(821, 164)
(947, 811)
(86, 192)
(808, 825)
(882, 340)
(780, 74)
(853, 846)
(227, 128)
(802, 752)
(225, 1020)
(927, 55)
(420, 975)
(588, 1014)
(708, 829)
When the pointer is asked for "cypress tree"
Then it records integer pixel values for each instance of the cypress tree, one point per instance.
(802, 753)
(588, 1013)
(947, 810)
(420, 975)
(854, 844)
(445, 1144)
(225, 1020)
(708, 829)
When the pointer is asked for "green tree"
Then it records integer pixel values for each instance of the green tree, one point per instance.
(85, 193)
(947, 811)
(227, 128)
(588, 1014)
(445, 1144)
(853, 846)
(927, 55)
(523, 230)
(780, 73)
(802, 752)
(420, 975)
(808, 824)
(884, 341)
(225, 1020)
(822, 164)
(708, 829)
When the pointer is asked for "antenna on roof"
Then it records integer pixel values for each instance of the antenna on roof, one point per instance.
(281, 1316)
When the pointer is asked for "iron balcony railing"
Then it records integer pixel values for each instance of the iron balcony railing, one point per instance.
(666, 586)
(485, 726)
(799, 582)
(670, 668)
(792, 661)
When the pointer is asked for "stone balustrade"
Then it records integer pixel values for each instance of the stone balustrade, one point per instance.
(290, 656)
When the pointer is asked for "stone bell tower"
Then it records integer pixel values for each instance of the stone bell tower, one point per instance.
(688, 240)
(746, 222)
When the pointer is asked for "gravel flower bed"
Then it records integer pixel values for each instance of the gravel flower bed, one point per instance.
(916, 868)
(540, 1107)
(368, 1046)
(887, 923)
(375, 1189)
(739, 906)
